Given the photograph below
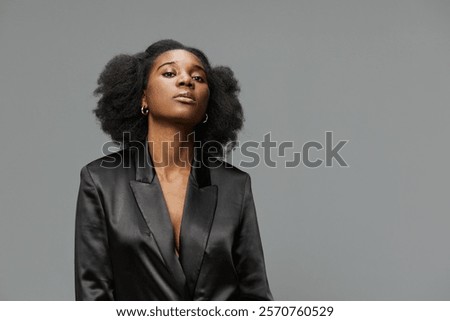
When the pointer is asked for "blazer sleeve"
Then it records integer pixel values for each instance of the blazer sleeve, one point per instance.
(248, 253)
(93, 272)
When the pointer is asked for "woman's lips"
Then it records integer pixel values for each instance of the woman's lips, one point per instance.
(185, 100)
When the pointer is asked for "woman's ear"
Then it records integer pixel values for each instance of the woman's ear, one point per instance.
(144, 99)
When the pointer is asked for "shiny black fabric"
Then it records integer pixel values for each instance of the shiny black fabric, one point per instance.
(124, 244)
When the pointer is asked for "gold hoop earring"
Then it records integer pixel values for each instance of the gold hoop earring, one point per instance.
(144, 110)
(206, 119)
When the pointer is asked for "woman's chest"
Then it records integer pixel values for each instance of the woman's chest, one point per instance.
(174, 194)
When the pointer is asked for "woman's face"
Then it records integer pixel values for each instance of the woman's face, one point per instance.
(177, 89)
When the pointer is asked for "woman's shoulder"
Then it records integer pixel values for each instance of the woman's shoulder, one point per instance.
(224, 171)
(113, 165)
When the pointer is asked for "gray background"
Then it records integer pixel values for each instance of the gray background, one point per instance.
(376, 73)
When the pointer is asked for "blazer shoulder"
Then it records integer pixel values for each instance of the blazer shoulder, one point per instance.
(221, 169)
(112, 165)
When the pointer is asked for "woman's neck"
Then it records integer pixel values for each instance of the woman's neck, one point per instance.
(171, 147)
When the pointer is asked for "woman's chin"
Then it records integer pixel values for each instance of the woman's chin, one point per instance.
(182, 119)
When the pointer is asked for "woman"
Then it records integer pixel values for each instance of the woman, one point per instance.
(162, 219)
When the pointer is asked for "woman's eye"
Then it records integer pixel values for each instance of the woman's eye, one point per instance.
(198, 78)
(168, 74)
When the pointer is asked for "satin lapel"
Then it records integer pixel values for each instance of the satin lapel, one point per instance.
(198, 215)
(149, 197)
(151, 203)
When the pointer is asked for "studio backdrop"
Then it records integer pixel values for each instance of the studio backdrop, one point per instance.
(347, 110)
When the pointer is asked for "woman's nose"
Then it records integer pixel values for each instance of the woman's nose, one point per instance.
(185, 80)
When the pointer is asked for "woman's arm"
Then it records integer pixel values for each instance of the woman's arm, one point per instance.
(93, 273)
(248, 253)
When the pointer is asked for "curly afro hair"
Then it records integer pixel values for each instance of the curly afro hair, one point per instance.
(120, 88)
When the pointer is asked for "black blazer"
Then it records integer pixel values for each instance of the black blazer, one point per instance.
(124, 243)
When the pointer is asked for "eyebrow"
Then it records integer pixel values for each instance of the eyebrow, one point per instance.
(174, 63)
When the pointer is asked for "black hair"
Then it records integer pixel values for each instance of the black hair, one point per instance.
(121, 84)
